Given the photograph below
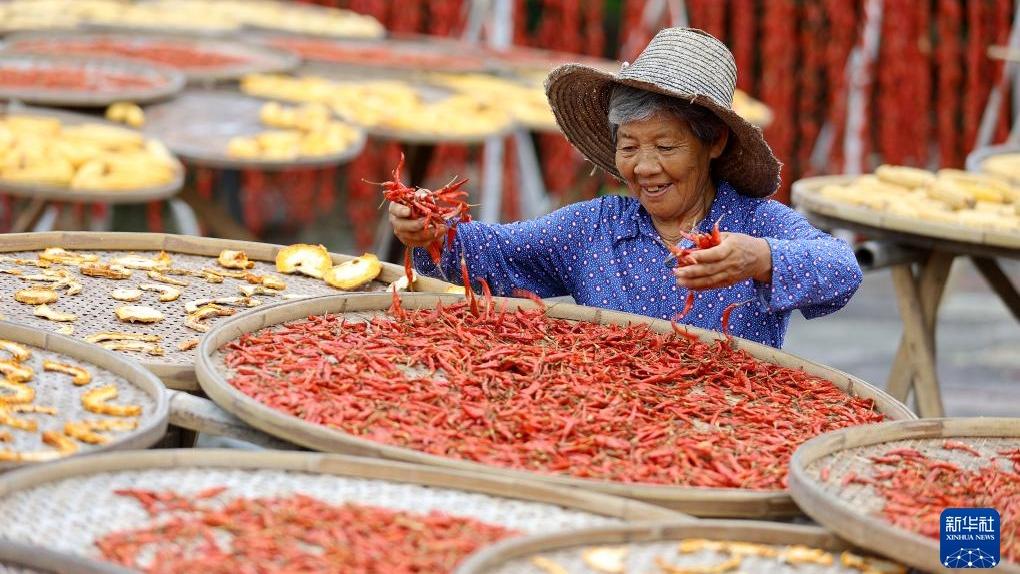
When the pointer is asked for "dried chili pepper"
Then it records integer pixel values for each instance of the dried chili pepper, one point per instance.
(683, 258)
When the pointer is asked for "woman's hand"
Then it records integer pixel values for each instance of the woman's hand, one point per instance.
(412, 232)
(737, 257)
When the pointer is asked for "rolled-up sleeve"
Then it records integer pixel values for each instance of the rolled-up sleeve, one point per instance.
(811, 270)
(522, 255)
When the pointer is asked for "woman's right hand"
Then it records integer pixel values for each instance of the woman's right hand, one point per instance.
(412, 232)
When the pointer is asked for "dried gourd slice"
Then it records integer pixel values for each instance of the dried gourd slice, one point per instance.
(728, 565)
(311, 260)
(141, 346)
(61, 255)
(79, 375)
(95, 401)
(273, 282)
(105, 271)
(354, 273)
(193, 306)
(234, 260)
(133, 261)
(252, 290)
(46, 312)
(86, 430)
(166, 292)
(36, 295)
(187, 345)
(138, 314)
(608, 559)
(800, 554)
(163, 278)
(126, 295)
(196, 320)
(118, 336)
(7, 419)
(18, 351)
(15, 372)
(14, 393)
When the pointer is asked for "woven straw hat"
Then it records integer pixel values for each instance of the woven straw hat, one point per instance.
(681, 62)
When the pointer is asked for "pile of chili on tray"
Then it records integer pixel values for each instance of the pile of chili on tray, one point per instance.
(521, 390)
(293, 534)
(917, 488)
(166, 53)
(70, 78)
(412, 58)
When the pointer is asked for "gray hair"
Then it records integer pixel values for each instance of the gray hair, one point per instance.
(627, 104)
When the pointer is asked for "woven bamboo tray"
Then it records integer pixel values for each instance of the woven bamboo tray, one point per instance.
(72, 502)
(18, 558)
(697, 501)
(257, 59)
(198, 124)
(647, 541)
(805, 194)
(95, 308)
(167, 81)
(848, 511)
(63, 193)
(135, 385)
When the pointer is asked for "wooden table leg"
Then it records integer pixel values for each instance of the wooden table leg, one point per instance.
(918, 337)
(934, 273)
(1000, 283)
(27, 219)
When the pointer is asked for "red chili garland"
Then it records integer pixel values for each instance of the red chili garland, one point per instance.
(518, 389)
(292, 534)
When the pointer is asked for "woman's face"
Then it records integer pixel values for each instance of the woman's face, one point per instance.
(664, 165)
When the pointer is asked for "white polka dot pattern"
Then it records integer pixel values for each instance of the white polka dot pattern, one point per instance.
(607, 253)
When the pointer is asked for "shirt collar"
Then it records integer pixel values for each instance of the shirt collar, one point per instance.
(638, 222)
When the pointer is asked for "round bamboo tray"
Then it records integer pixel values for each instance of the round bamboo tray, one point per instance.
(848, 510)
(135, 385)
(95, 308)
(18, 558)
(63, 193)
(71, 503)
(697, 501)
(948, 237)
(167, 81)
(413, 54)
(647, 541)
(198, 124)
(257, 59)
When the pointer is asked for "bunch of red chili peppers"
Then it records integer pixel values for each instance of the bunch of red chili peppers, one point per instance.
(294, 534)
(917, 488)
(518, 389)
(683, 257)
(441, 209)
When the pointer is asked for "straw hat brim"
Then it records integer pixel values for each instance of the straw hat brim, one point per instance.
(579, 96)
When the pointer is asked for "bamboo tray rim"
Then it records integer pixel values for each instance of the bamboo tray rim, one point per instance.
(293, 429)
(761, 532)
(177, 376)
(262, 58)
(63, 193)
(866, 531)
(804, 194)
(173, 81)
(151, 426)
(978, 156)
(337, 465)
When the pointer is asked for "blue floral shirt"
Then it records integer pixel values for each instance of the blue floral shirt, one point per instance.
(607, 253)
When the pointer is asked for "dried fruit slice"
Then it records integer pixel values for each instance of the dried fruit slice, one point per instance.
(95, 401)
(133, 261)
(193, 306)
(79, 376)
(18, 351)
(187, 345)
(221, 273)
(118, 336)
(46, 312)
(609, 559)
(15, 372)
(127, 295)
(234, 260)
(166, 292)
(140, 346)
(273, 282)
(85, 430)
(195, 320)
(36, 295)
(66, 330)
(138, 314)
(311, 260)
(354, 273)
(105, 270)
(61, 255)
(58, 440)
(157, 276)
(252, 290)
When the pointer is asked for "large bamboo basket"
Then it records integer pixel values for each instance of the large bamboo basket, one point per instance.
(135, 385)
(647, 540)
(697, 501)
(170, 81)
(69, 504)
(198, 125)
(848, 510)
(95, 308)
(947, 237)
(64, 193)
(18, 558)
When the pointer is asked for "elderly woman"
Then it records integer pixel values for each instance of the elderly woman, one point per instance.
(665, 127)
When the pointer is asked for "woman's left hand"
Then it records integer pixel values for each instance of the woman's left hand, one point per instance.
(737, 257)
